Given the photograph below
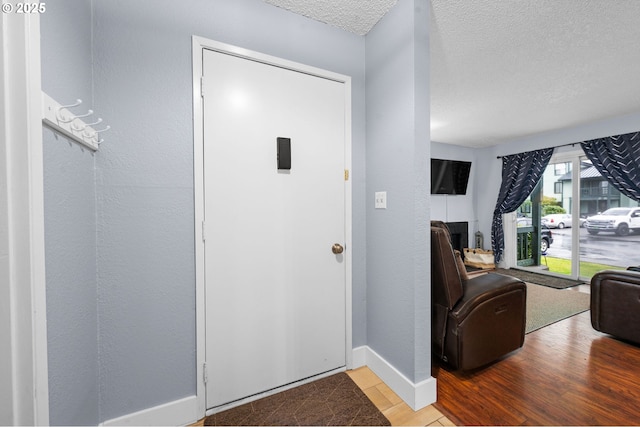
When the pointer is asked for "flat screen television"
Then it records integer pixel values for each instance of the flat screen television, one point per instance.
(449, 176)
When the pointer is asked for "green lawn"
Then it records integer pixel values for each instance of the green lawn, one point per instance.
(587, 269)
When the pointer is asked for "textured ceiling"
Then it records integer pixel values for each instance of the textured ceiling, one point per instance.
(506, 69)
(356, 16)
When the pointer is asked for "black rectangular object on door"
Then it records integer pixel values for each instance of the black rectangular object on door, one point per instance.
(284, 153)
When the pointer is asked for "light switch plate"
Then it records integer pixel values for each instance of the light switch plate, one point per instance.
(381, 200)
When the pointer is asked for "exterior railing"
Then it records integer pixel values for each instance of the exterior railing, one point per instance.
(525, 246)
(599, 192)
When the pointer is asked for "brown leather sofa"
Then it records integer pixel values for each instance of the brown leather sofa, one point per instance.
(615, 303)
(474, 321)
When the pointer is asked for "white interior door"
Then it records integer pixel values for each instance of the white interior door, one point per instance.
(275, 291)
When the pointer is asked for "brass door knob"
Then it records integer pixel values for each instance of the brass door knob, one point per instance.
(337, 248)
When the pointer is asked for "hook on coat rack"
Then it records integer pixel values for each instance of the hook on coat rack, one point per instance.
(77, 124)
(96, 136)
(82, 126)
(97, 122)
(60, 111)
(89, 112)
(59, 118)
(75, 104)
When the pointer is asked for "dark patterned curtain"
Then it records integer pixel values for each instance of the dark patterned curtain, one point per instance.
(617, 158)
(520, 174)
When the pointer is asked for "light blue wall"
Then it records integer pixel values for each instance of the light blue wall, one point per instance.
(144, 347)
(121, 318)
(70, 222)
(121, 322)
(143, 87)
(398, 266)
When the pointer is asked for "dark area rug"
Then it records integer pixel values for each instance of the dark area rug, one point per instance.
(332, 401)
(539, 279)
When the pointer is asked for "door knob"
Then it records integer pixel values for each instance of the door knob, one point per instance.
(337, 248)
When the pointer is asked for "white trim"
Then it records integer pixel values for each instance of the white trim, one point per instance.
(240, 52)
(179, 412)
(22, 266)
(198, 45)
(417, 396)
(348, 213)
(359, 357)
(576, 200)
(198, 189)
(509, 254)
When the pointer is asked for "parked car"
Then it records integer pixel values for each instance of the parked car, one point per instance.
(524, 221)
(546, 237)
(557, 220)
(617, 220)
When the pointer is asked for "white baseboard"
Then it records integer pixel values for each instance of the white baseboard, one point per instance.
(176, 413)
(185, 411)
(417, 396)
(359, 357)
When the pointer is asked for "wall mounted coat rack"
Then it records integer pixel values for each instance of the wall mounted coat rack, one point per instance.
(59, 118)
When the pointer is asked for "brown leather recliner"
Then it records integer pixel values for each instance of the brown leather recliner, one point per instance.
(615, 303)
(474, 321)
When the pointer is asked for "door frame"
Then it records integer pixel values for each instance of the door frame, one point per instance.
(572, 156)
(199, 44)
(24, 375)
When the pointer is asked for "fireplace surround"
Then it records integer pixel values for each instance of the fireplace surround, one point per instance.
(459, 235)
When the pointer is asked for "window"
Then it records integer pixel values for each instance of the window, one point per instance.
(557, 187)
(561, 168)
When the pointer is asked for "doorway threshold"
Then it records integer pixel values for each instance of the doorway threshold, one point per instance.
(534, 268)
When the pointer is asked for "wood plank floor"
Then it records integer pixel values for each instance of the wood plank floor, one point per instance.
(566, 374)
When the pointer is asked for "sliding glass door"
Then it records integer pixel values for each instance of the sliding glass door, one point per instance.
(545, 222)
(562, 228)
(607, 240)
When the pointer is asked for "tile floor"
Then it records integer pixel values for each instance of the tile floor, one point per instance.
(396, 411)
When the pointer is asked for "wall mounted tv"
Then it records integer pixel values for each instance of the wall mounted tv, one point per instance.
(449, 176)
